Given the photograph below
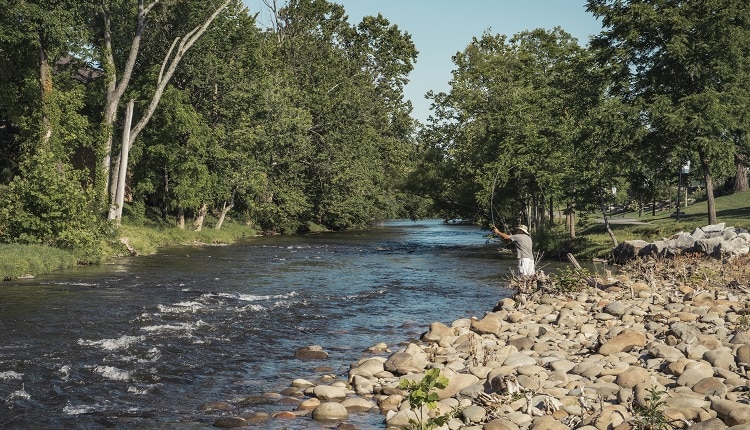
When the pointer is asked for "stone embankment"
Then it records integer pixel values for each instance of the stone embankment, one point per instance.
(665, 345)
(715, 240)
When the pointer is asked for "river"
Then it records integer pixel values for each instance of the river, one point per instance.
(141, 342)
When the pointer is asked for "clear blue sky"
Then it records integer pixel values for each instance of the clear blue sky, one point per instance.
(440, 28)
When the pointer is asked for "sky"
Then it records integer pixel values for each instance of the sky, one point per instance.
(441, 28)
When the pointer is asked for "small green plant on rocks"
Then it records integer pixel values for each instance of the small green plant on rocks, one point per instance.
(570, 279)
(522, 394)
(651, 415)
(423, 393)
(743, 322)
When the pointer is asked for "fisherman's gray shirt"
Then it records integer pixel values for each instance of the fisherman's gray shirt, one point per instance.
(523, 245)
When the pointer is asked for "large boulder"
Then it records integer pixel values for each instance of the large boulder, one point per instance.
(312, 352)
(714, 240)
(330, 411)
(623, 342)
(628, 250)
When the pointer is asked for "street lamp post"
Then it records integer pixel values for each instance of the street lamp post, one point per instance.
(685, 169)
(614, 198)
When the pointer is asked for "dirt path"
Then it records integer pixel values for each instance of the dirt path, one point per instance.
(632, 221)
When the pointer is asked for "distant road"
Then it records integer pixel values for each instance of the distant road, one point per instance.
(622, 221)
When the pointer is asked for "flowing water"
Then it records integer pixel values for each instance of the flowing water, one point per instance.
(143, 341)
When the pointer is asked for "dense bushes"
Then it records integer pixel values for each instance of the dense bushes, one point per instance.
(47, 206)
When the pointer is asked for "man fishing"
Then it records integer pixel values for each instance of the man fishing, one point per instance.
(524, 245)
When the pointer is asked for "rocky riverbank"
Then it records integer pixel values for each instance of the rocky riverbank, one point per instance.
(662, 343)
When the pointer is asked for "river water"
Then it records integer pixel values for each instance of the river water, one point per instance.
(143, 341)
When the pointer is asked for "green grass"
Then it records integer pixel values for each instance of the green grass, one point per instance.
(144, 237)
(21, 260)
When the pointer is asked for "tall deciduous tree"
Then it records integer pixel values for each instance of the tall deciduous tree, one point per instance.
(508, 127)
(350, 81)
(115, 89)
(680, 63)
(48, 200)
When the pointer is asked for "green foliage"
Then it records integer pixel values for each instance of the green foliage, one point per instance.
(173, 168)
(553, 240)
(651, 415)
(349, 80)
(422, 394)
(570, 279)
(693, 96)
(47, 206)
(511, 132)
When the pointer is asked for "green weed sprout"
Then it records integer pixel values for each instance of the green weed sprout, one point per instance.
(423, 393)
(651, 416)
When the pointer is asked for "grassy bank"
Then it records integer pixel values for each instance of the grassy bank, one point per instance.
(146, 239)
(17, 261)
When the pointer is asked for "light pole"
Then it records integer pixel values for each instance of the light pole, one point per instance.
(685, 169)
(614, 198)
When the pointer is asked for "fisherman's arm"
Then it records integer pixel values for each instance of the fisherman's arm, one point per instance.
(500, 233)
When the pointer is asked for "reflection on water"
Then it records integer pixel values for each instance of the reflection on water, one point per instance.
(142, 342)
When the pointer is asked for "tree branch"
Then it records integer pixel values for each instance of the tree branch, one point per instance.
(186, 42)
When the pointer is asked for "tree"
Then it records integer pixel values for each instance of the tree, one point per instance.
(350, 81)
(115, 90)
(48, 200)
(302, 125)
(506, 131)
(116, 85)
(679, 63)
(741, 137)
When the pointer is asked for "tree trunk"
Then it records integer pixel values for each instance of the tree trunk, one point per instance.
(198, 224)
(536, 213)
(181, 218)
(45, 85)
(570, 220)
(273, 7)
(124, 154)
(606, 223)
(551, 212)
(709, 189)
(166, 193)
(115, 90)
(740, 178)
(224, 210)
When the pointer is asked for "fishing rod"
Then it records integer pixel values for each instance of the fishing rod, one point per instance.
(493, 209)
